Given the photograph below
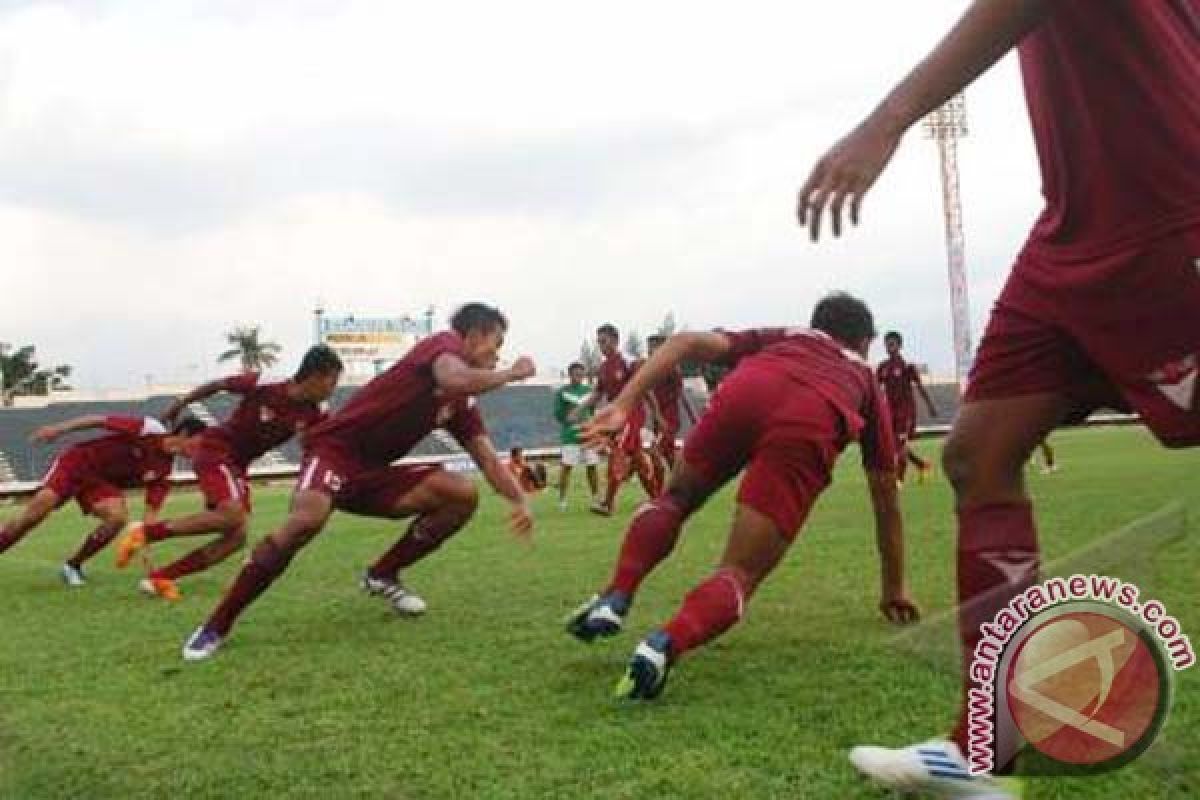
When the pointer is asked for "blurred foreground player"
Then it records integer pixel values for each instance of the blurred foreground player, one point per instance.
(794, 400)
(1102, 307)
(138, 453)
(268, 415)
(349, 466)
(900, 381)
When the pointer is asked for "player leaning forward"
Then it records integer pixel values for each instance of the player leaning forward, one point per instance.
(348, 466)
(794, 401)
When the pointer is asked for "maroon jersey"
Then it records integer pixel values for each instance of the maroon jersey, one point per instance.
(668, 393)
(614, 374)
(385, 419)
(130, 458)
(1113, 89)
(898, 377)
(264, 419)
(839, 375)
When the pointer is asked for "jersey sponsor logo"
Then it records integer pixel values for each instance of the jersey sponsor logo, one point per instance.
(1177, 381)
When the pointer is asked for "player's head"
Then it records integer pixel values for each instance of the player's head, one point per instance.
(482, 328)
(847, 319)
(318, 373)
(576, 373)
(181, 433)
(892, 342)
(654, 341)
(608, 339)
(516, 453)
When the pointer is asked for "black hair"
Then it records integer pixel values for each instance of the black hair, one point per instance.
(894, 335)
(845, 318)
(515, 451)
(608, 329)
(478, 317)
(319, 360)
(576, 365)
(655, 338)
(188, 426)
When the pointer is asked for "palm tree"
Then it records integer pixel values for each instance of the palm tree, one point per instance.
(19, 374)
(254, 354)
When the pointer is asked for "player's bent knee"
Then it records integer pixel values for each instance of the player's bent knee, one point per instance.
(272, 557)
(461, 492)
(233, 517)
(958, 463)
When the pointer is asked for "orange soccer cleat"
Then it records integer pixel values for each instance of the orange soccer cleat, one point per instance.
(162, 587)
(133, 540)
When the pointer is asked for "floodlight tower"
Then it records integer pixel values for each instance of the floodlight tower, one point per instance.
(945, 126)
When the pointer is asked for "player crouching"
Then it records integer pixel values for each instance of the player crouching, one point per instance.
(794, 401)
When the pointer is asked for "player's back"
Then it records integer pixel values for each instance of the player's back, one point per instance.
(125, 460)
(1113, 88)
(265, 418)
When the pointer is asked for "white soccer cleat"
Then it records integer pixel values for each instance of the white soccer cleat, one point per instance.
(146, 587)
(404, 601)
(72, 576)
(202, 644)
(936, 767)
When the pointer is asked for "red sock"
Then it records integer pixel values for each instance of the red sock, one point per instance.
(709, 610)
(426, 534)
(997, 559)
(652, 534)
(156, 531)
(96, 541)
(265, 564)
(195, 561)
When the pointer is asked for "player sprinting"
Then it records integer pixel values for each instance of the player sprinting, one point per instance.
(794, 400)
(349, 466)
(627, 452)
(267, 416)
(569, 397)
(669, 396)
(1103, 303)
(900, 381)
(138, 453)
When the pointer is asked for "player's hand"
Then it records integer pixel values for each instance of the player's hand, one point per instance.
(845, 174)
(899, 609)
(46, 434)
(520, 522)
(607, 422)
(522, 368)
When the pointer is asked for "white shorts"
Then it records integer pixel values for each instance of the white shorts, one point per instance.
(573, 455)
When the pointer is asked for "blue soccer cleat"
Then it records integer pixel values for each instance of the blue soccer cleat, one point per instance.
(601, 616)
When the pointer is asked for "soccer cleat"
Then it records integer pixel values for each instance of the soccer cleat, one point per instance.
(202, 644)
(936, 767)
(599, 616)
(72, 576)
(132, 541)
(160, 587)
(646, 675)
(404, 601)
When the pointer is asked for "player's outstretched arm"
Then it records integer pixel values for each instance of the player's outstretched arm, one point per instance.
(988, 30)
(200, 393)
(889, 534)
(501, 479)
(48, 433)
(452, 374)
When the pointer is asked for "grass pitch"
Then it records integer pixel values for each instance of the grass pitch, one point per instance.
(323, 692)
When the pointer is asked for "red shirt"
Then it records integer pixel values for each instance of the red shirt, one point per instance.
(613, 375)
(1113, 89)
(130, 458)
(668, 393)
(898, 377)
(839, 375)
(264, 419)
(386, 419)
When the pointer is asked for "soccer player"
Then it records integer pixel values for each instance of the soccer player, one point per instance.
(668, 397)
(569, 397)
(138, 452)
(900, 381)
(1103, 304)
(349, 466)
(795, 399)
(530, 477)
(268, 415)
(627, 452)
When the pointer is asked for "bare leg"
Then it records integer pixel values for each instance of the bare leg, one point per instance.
(113, 516)
(35, 511)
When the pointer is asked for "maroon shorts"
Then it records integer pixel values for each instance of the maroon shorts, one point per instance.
(70, 477)
(370, 491)
(221, 481)
(1121, 332)
(783, 434)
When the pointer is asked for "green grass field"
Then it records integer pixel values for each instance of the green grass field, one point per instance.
(323, 692)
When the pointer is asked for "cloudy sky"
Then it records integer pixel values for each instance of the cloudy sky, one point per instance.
(168, 170)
